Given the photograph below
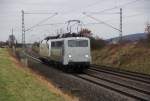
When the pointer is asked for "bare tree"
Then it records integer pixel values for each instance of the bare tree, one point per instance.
(85, 32)
(147, 30)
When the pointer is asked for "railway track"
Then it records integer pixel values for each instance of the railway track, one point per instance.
(137, 74)
(115, 87)
(130, 84)
(122, 81)
(125, 86)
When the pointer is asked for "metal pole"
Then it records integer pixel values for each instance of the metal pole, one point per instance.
(23, 30)
(13, 39)
(120, 24)
(120, 40)
(12, 31)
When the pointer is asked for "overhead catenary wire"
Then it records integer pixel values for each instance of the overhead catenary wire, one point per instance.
(49, 24)
(103, 22)
(86, 6)
(100, 21)
(28, 29)
(38, 13)
(54, 14)
(104, 12)
(125, 17)
(109, 9)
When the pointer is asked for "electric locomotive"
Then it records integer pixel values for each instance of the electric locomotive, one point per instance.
(67, 52)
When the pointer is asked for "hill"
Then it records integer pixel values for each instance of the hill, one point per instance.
(134, 57)
(130, 38)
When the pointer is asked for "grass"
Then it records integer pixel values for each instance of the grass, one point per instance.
(17, 84)
(133, 57)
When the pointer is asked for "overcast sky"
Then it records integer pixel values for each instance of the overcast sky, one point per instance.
(135, 16)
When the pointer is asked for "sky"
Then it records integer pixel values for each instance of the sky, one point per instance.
(135, 16)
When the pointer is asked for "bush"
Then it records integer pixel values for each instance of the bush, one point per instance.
(97, 43)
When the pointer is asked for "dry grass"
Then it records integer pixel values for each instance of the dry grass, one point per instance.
(134, 57)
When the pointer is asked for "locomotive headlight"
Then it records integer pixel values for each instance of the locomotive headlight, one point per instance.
(69, 56)
(87, 56)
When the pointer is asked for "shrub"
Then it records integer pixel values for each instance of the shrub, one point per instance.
(97, 43)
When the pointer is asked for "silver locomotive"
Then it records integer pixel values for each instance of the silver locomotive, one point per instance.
(70, 52)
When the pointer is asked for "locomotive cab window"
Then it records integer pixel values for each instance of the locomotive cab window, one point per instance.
(57, 44)
(77, 43)
(53, 44)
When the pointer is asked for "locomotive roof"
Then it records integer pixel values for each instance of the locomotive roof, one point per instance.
(63, 36)
(69, 38)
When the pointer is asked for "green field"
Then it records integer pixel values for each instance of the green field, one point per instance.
(18, 84)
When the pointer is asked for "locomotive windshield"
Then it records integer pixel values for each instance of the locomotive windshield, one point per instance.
(77, 43)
